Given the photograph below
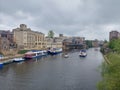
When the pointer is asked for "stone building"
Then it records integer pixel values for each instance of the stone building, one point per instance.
(40, 40)
(95, 43)
(4, 44)
(114, 35)
(49, 42)
(6, 40)
(55, 42)
(25, 38)
(74, 43)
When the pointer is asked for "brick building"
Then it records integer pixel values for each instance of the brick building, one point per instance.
(6, 40)
(114, 35)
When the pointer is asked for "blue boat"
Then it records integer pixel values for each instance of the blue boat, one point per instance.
(1, 65)
(54, 51)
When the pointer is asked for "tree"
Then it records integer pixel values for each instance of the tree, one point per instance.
(50, 34)
(89, 43)
(105, 41)
(115, 45)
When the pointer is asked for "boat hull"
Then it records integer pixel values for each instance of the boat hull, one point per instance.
(82, 55)
(31, 57)
(18, 59)
(66, 56)
(35, 54)
(54, 52)
(1, 65)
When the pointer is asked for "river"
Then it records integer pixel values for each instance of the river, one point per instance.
(54, 73)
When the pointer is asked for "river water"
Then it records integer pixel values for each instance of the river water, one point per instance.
(54, 73)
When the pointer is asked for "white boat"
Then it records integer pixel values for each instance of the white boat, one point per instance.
(54, 51)
(35, 54)
(82, 53)
(18, 59)
(66, 55)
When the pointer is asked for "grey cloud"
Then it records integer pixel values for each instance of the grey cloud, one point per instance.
(70, 17)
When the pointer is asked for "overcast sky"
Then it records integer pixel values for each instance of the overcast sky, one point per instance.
(92, 19)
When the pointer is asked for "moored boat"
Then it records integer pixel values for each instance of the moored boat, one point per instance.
(35, 54)
(44, 52)
(82, 53)
(1, 64)
(54, 51)
(18, 59)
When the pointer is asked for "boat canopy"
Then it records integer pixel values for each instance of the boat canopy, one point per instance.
(29, 53)
(83, 50)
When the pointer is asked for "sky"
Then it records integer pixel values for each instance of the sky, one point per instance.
(92, 19)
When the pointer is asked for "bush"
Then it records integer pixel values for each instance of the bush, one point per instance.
(111, 73)
(22, 51)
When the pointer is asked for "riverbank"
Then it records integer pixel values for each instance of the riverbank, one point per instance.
(110, 72)
(9, 59)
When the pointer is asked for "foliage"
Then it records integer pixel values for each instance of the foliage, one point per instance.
(111, 73)
(105, 41)
(22, 51)
(115, 45)
(89, 43)
(50, 34)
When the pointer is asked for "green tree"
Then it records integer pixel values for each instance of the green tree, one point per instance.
(89, 43)
(115, 45)
(50, 34)
(105, 41)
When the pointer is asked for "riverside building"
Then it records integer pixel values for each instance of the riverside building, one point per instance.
(25, 38)
(114, 35)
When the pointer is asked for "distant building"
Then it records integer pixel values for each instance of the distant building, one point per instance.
(95, 43)
(25, 38)
(114, 35)
(74, 43)
(55, 42)
(6, 40)
(66, 43)
(60, 35)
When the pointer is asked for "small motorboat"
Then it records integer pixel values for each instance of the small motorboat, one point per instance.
(18, 59)
(66, 55)
(83, 53)
(96, 49)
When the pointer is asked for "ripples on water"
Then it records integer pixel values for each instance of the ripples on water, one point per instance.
(53, 73)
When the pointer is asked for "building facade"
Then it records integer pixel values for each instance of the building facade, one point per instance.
(25, 38)
(95, 43)
(6, 40)
(114, 35)
(74, 43)
(55, 42)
